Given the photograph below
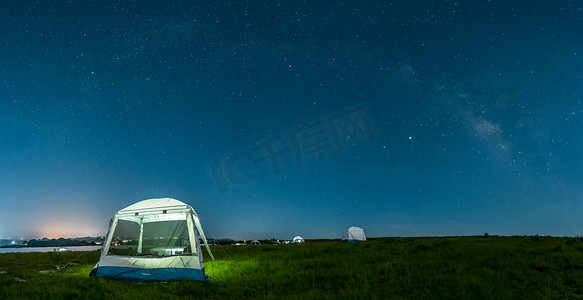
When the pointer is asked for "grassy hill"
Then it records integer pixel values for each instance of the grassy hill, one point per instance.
(453, 267)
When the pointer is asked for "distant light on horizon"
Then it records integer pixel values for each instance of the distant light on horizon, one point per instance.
(65, 230)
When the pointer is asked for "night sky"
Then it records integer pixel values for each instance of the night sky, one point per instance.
(289, 118)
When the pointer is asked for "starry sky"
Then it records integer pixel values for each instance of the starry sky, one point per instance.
(287, 118)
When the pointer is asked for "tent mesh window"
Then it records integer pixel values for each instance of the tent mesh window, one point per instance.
(159, 238)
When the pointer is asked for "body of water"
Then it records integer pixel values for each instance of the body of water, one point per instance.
(49, 249)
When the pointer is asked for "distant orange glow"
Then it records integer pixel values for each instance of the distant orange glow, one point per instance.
(58, 229)
(66, 221)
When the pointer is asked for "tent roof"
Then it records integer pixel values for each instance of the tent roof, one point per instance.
(353, 228)
(298, 238)
(155, 204)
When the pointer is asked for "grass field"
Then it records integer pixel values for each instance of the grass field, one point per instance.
(454, 267)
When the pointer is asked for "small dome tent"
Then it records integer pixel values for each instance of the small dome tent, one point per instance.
(298, 239)
(153, 240)
(353, 234)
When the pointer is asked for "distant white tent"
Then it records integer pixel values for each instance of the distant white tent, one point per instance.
(153, 240)
(353, 234)
(298, 239)
(255, 243)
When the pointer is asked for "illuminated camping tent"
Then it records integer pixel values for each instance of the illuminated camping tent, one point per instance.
(298, 239)
(353, 234)
(153, 240)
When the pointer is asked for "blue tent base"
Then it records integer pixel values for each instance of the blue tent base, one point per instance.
(149, 275)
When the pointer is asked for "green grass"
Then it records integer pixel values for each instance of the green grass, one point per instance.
(453, 267)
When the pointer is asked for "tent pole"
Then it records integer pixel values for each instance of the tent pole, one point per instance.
(204, 240)
(141, 237)
(199, 228)
(107, 243)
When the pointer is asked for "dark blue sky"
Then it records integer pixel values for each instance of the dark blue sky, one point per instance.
(404, 118)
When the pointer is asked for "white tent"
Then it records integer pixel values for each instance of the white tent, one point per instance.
(153, 240)
(353, 234)
(255, 243)
(298, 239)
